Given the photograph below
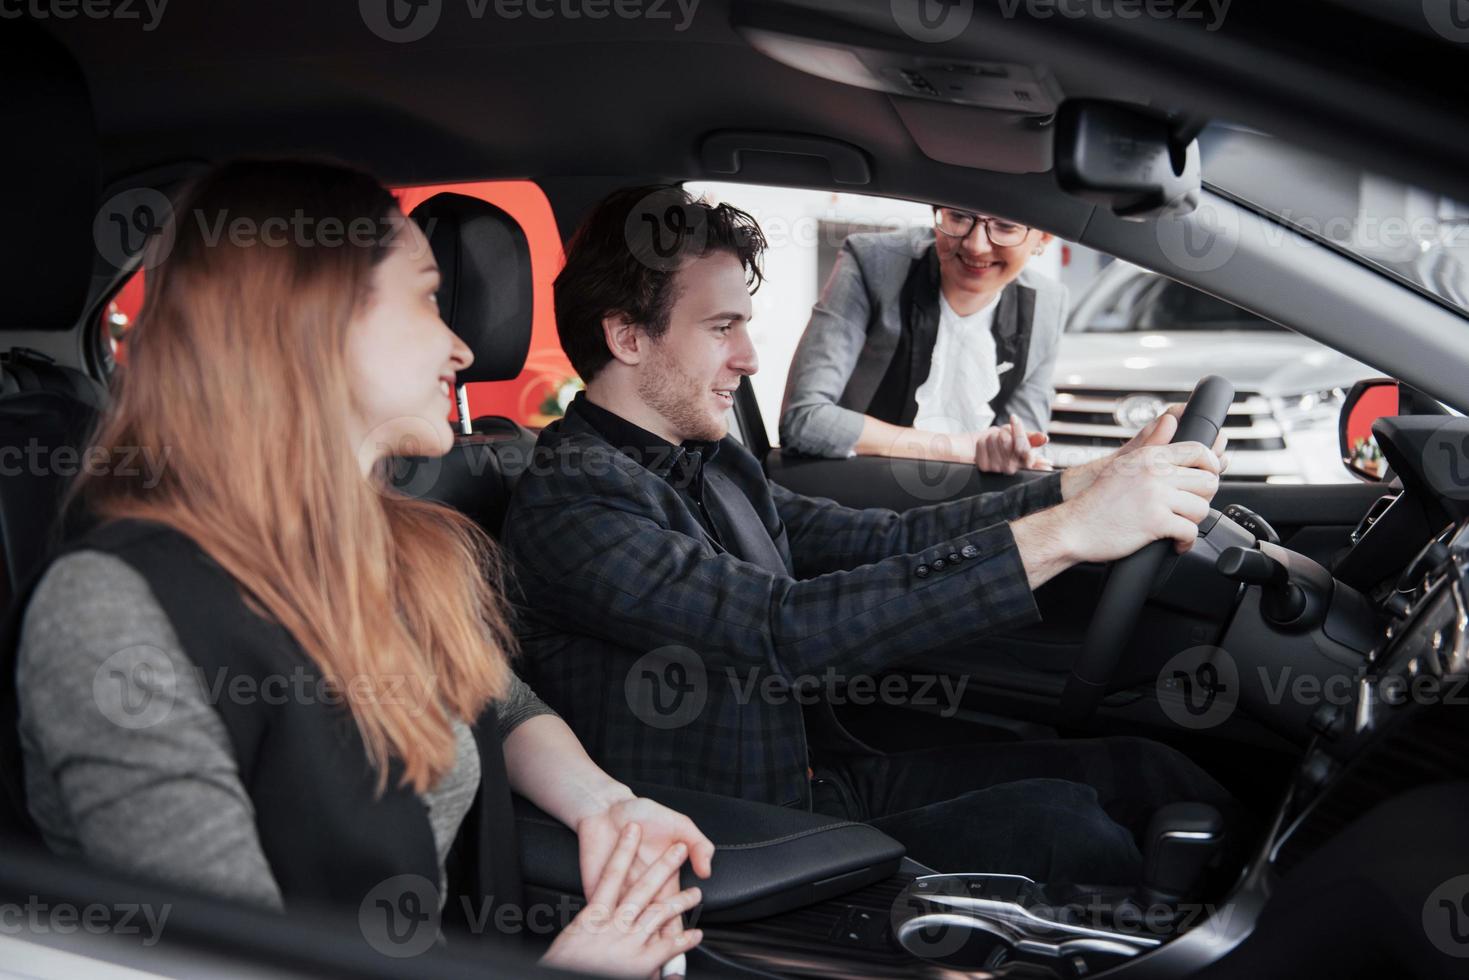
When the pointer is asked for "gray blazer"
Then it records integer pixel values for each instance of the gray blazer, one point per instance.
(854, 330)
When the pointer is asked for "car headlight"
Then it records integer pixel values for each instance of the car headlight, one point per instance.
(1312, 408)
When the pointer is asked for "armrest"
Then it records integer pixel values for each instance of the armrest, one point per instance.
(767, 859)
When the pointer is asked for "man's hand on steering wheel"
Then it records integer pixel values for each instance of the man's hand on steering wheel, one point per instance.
(1156, 491)
(1158, 432)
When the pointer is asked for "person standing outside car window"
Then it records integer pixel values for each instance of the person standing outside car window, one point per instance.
(930, 344)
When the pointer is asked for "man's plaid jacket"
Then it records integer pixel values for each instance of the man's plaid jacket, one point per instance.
(672, 659)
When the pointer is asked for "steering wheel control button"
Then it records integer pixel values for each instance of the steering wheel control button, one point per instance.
(939, 565)
(970, 551)
(1252, 522)
(921, 571)
(954, 558)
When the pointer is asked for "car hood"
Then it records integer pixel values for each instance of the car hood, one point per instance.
(1269, 363)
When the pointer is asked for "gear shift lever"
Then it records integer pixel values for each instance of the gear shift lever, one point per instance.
(1182, 839)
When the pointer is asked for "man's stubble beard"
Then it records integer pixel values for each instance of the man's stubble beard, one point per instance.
(676, 396)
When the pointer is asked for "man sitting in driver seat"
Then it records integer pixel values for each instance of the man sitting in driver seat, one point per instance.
(673, 598)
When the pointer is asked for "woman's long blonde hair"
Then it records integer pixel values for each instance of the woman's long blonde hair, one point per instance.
(237, 374)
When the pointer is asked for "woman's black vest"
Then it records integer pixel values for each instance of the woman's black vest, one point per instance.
(328, 836)
(896, 399)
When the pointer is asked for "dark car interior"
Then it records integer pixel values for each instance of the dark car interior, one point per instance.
(1358, 800)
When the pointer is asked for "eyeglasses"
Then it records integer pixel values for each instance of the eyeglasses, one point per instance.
(958, 224)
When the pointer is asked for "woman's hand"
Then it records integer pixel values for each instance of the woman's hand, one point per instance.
(1009, 449)
(627, 930)
(598, 835)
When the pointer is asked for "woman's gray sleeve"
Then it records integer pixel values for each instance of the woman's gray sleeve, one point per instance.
(125, 759)
(811, 420)
(519, 705)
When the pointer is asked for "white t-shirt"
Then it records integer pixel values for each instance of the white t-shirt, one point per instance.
(963, 375)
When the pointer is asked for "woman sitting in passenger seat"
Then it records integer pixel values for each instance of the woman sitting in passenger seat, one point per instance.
(265, 675)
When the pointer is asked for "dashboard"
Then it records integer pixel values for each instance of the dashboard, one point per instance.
(1400, 728)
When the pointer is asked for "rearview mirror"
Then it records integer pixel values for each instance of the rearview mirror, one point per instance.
(1367, 402)
(1136, 162)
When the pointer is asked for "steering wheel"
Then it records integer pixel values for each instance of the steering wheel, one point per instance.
(1131, 578)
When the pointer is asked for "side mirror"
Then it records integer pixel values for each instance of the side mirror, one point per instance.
(1367, 402)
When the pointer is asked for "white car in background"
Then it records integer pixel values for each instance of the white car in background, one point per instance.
(1137, 341)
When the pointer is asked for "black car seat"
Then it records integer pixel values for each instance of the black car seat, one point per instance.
(485, 297)
(46, 410)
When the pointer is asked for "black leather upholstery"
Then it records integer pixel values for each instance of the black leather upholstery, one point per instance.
(485, 298)
(50, 169)
(46, 415)
(767, 859)
(477, 476)
(486, 291)
(46, 411)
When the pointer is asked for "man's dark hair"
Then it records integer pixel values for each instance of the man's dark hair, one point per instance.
(623, 259)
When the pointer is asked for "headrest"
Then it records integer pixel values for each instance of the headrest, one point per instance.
(486, 295)
(23, 370)
(50, 172)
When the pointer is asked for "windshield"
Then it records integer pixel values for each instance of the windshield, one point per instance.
(1420, 236)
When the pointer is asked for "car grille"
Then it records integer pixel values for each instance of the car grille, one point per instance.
(1083, 418)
